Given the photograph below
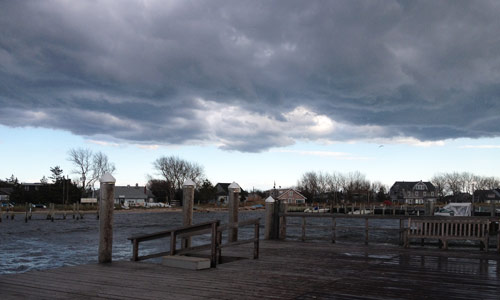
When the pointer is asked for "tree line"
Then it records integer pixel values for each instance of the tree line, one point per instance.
(331, 187)
(173, 171)
(327, 186)
(455, 183)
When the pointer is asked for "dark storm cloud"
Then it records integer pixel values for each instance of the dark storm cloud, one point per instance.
(232, 72)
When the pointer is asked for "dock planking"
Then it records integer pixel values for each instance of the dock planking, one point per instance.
(284, 270)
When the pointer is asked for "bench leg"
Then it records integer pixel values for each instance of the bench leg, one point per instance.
(445, 244)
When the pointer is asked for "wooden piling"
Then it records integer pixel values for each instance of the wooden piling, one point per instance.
(234, 201)
(106, 218)
(283, 209)
(26, 213)
(74, 210)
(303, 238)
(268, 234)
(366, 231)
(334, 230)
(401, 231)
(1, 213)
(187, 209)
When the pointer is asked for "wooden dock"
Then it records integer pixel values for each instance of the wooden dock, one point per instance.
(284, 270)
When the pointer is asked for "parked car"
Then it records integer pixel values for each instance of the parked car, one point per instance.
(38, 206)
(444, 212)
(7, 204)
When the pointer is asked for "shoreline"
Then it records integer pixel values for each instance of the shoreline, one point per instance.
(132, 210)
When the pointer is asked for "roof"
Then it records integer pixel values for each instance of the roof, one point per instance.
(487, 194)
(132, 192)
(6, 191)
(284, 194)
(408, 185)
(222, 188)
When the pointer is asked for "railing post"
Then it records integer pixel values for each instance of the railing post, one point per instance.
(256, 242)
(234, 201)
(268, 234)
(135, 254)
(173, 241)
(106, 220)
(187, 209)
(214, 245)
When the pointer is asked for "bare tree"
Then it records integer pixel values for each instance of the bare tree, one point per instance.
(100, 166)
(439, 182)
(82, 161)
(89, 166)
(176, 171)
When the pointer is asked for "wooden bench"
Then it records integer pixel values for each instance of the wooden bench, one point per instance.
(445, 229)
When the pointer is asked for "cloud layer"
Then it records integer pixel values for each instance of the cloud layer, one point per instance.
(252, 75)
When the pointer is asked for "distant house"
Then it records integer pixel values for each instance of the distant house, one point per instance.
(30, 187)
(222, 193)
(412, 192)
(291, 196)
(487, 196)
(5, 194)
(132, 195)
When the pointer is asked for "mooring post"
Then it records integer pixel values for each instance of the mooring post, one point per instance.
(74, 209)
(234, 201)
(268, 234)
(1, 213)
(26, 213)
(106, 218)
(187, 208)
(283, 210)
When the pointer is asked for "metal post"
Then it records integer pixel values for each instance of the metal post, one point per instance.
(187, 209)
(234, 201)
(106, 218)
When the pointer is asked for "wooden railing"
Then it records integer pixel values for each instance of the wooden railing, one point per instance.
(334, 227)
(254, 240)
(450, 228)
(186, 231)
(215, 246)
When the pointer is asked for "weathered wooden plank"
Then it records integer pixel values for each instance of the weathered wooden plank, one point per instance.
(284, 270)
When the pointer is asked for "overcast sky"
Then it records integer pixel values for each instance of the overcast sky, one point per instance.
(252, 76)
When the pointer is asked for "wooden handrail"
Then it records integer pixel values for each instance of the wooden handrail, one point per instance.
(185, 231)
(215, 245)
(402, 230)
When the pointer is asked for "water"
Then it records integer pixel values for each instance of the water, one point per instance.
(41, 244)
